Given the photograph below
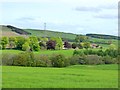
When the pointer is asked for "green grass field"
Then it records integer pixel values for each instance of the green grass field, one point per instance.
(43, 33)
(42, 52)
(78, 76)
(46, 52)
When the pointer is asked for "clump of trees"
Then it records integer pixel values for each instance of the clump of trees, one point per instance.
(4, 42)
(32, 43)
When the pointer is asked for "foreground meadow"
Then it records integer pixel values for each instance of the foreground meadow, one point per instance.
(77, 76)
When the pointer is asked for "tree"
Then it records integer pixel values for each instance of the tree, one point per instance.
(12, 41)
(86, 45)
(25, 46)
(74, 45)
(80, 38)
(19, 42)
(112, 47)
(42, 39)
(67, 44)
(34, 44)
(59, 43)
(51, 44)
(4, 42)
(80, 46)
(42, 45)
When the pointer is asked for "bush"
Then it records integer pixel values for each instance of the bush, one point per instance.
(86, 52)
(76, 59)
(59, 61)
(23, 59)
(78, 53)
(7, 59)
(111, 52)
(0, 47)
(109, 60)
(93, 60)
(42, 61)
(100, 53)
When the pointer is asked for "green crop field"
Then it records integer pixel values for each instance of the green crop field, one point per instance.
(78, 76)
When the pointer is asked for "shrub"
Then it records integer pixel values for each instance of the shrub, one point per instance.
(93, 60)
(42, 61)
(59, 61)
(23, 59)
(86, 52)
(0, 47)
(78, 53)
(112, 52)
(76, 59)
(7, 59)
(100, 53)
(108, 60)
(118, 59)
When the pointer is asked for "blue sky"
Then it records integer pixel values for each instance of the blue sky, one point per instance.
(73, 16)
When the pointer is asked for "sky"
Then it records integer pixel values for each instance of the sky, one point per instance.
(72, 16)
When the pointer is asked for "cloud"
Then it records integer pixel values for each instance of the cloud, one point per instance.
(86, 9)
(107, 16)
(111, 6)
(97, 8)
(26, 19)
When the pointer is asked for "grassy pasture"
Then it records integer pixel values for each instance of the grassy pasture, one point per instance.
(46, 52)
(78, 76)
(42, 52)
(46, 33)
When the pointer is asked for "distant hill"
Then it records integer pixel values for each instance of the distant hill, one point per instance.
(12, 31)
(9, 30)
(48, 33)
(103, 36)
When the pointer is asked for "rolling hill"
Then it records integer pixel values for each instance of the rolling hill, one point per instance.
(9, 30)
(14, 31)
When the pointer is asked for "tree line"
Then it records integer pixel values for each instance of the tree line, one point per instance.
(34, 43)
